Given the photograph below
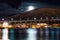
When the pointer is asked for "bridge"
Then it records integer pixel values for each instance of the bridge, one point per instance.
(35, 23)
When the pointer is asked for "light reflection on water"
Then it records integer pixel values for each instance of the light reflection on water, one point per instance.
(34, 34)
(11, 34)
(31, 34)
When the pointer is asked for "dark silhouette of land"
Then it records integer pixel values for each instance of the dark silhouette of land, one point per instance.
(38, 13)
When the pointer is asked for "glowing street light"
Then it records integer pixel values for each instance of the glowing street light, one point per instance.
(10, 26)
(52, 17)
(34, 18)
(46, 17)
(41, 18)
(46, 26)
(12, 19)
(38, 24)
(2, 19)
(5, 24)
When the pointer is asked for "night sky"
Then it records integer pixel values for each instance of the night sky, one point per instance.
(11, 7)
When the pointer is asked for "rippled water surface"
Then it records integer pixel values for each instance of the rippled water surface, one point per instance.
(34, 34)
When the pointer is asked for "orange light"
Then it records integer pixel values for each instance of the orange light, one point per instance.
(45, 26)
(10, 26)
(24, 26)
(33, 26)
(38, 25)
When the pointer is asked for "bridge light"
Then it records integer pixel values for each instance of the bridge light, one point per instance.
(12, 19)
(2, 19)
(34, 18)
(46, 26)
(41, 18)
(52, 17)
(56, 17)
(46, 17)
(10, 26)
(5, 24)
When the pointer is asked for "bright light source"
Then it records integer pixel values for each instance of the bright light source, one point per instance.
(5, 34)
(46, 26)
(34, 18)
(30, 30)
(33, 26)
(38, 24)
(43, 24)
(31, 34)
(2, 18)
(10, 26)
(30, 8)
(12, 19)
(5, 24)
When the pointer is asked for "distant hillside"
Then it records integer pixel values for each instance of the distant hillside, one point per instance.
(38, 13)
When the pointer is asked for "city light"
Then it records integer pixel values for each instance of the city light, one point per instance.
(2, 19)
(5, 31)
(33, 26)
(45, 26)
(0, 25)
(10, 26)
(24, 26)
(38, 25)
(5, 24)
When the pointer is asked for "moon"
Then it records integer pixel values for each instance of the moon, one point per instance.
(29, 8)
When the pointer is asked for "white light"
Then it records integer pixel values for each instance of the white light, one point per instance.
(46, 26)
(30, 8)
(34, 18)
(41, 18)
(11, 19)
(32, 34)
(5, 24)
(2, 18)
(46, 17)
(5, 34)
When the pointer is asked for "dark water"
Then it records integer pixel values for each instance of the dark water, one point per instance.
(35, 34)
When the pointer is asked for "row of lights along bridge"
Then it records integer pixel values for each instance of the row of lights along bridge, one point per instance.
(46, 18)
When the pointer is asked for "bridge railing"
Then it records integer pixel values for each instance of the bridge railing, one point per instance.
(32, 23)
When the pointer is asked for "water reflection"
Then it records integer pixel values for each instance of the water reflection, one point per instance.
(57, 34)
(5, 34)
(35, 34)
(52, 34)
(11, 32)
(31, 34)
(46, 34)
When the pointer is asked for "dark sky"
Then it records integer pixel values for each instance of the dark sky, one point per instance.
(10, 7)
